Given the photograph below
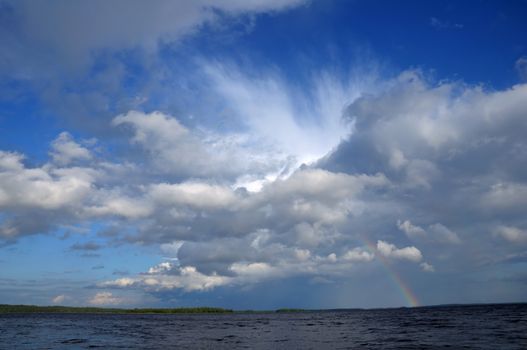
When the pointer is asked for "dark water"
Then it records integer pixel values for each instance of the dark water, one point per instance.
(457, 327)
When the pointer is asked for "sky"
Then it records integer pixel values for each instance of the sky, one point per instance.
(263, 154)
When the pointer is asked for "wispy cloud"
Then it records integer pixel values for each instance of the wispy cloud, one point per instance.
(443, 24)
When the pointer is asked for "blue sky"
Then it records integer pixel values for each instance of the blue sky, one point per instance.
(263, 154)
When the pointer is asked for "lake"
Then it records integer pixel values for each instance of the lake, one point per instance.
(446, 327)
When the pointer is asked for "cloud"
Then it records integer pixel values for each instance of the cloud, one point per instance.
(59, 299)
(451, 153)
(194, 194)
(88, 246)
(282, 262)
(85, 74)
(435, 232)
(505, 195)
(69, 194)
(511, 234)
(120, 273)
(171, 248)
(357, 255)
(427, 267)
(65, 150)
(263, 100)
(45, 187)
(65, 31)
(186, 278)
(391, 251)
(442, 234)
(442, 25)
(430, 157)
(176, 150)
(115, 203)
(521, 67)
(411, 230)
(105, 298)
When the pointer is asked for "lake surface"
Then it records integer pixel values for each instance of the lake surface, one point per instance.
(454, 327)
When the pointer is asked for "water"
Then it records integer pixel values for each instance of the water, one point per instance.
(455, 327)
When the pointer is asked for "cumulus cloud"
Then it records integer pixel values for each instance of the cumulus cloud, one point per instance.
(426, 267)
(67, 31)
(282, 262)
(429, 157)
(65, 150)
(391, 251)
(435, 232)
(357, 254)
(105, 298)
(44, 187)
(65, 194)
(511, 234)
(82, 72)
(176, 150)
(451, 153)
(194, 194)
(442, 233)
(59, 299)
(115, 203)
(186, 278)
(411, 230)
(505, 195)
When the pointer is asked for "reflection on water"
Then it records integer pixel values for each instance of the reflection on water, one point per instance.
(474, 327)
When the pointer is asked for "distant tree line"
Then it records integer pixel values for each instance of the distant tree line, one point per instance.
(101, 310)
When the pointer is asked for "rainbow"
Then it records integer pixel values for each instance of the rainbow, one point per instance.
(403, 287)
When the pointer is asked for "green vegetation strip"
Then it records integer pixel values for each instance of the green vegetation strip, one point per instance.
(100, 310)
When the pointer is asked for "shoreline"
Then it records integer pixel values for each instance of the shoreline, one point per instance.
(35, 309)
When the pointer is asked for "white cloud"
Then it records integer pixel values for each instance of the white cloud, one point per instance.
(358, 255)
(105, 298)
(264, 101)
(255, 269)
(521, 67)
(315, 234)
(432, 153)
(160, 268)
(411, 230)
(119, 283)
(511, 234)
(323, 185)
(59, 299)
(436, 232)
(505, 195)
(261, 262)
(66, 150)
(114, 203)
(11, 161)
(66, 30)
(391, 251)
(302, 254)
(332, 258)
(194, 194)
(442, 24)
(171, 249)
(441, 233)
(187, 278)
(174, 149)
(44, 187)
(420, 131)
(427, 267)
